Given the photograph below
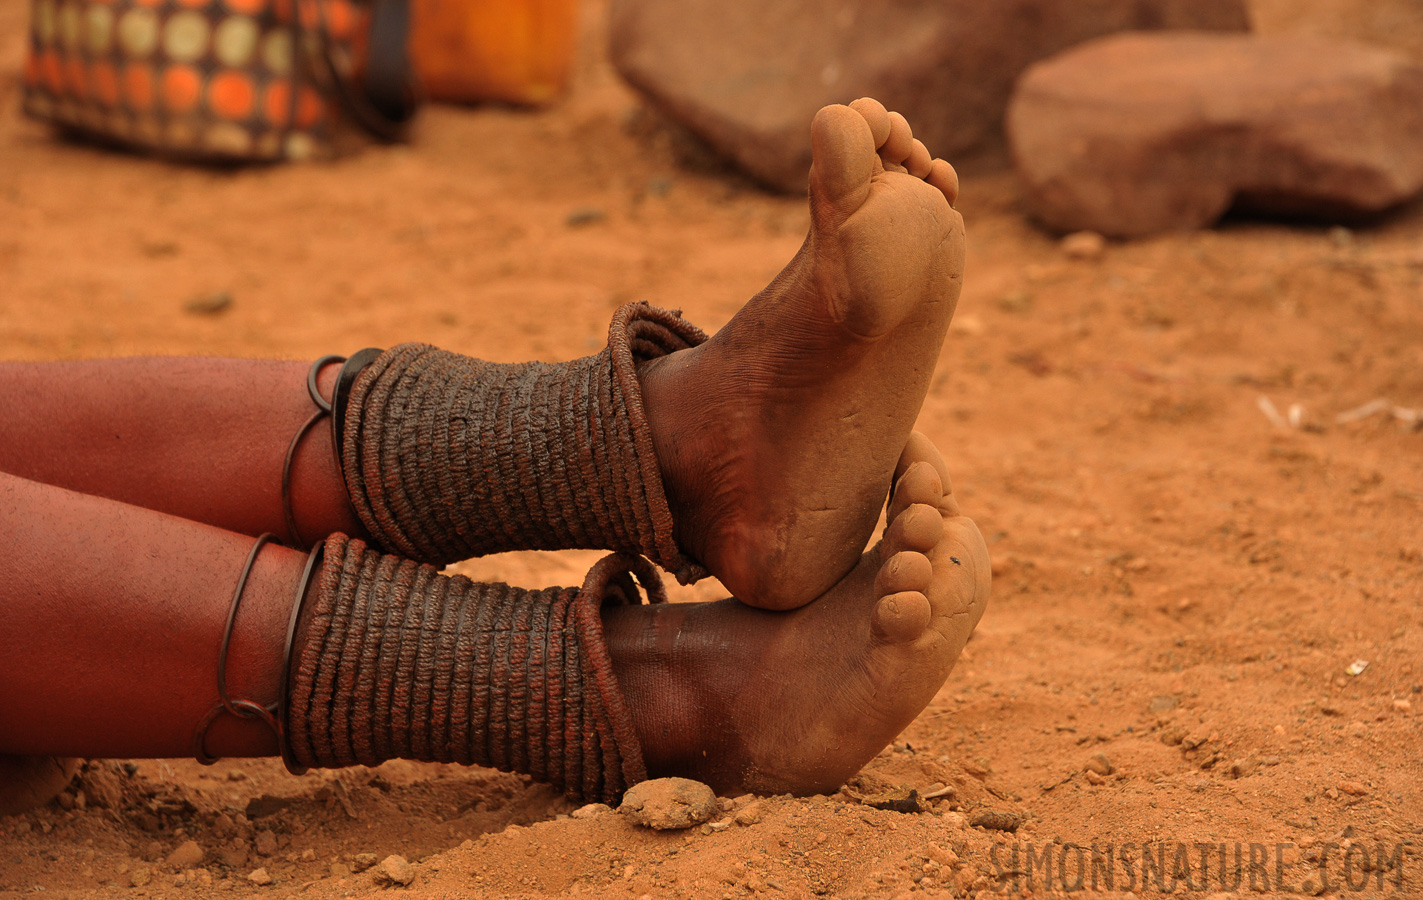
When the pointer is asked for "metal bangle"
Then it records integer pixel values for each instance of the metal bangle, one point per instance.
(323, 408)
(279, 710)
(273, 716)
(243, 709)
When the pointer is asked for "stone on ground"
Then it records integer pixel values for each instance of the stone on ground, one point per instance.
(747, 76)
(185, 856)
(668, 803)
(393, 870)
(102, 785)
(1140, 133)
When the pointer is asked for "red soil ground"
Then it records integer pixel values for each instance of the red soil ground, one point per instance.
(1181, 585)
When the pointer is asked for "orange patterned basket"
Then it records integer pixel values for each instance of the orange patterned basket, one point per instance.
(214, 79)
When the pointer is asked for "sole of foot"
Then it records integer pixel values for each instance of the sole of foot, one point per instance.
(798, 701)
(778, 437)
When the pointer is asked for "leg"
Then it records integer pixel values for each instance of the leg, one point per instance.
(125, 608)
(202, 439)
(115, 618)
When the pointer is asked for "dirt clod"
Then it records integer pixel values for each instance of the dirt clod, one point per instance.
(209, 304)
(669, 803)
(1100, 764)
(265, 843)
(393, 870)
(363, 861)
(260, 877)
(185, 856)
(997, 820)
(750, 814)
(102, 785)
(589, 810)
(1084, 245)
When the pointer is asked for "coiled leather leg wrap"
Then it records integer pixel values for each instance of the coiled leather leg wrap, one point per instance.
(448, 457)
(394, 660)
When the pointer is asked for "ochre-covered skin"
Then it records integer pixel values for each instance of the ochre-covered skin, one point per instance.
(755, 700)
(201, 439)
(113, 617)
(779, 435)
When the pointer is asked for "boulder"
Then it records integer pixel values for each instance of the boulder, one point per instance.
(747, 76)
(1133, 134)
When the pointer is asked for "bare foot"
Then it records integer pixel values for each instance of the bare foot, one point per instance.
(748, 699)
(778, 436)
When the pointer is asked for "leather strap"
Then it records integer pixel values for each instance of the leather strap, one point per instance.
(386, 99)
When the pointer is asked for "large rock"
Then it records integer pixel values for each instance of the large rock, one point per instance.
(1138, 133)
(747, 76)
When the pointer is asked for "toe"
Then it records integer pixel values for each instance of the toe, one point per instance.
(919, 162)
(902, 617)
(942, 176)
(897, 146)
(876, 115)
(961, 581)
(920, 448)
(919, 484)
(904, 571)
(917, 528)
(843, 158)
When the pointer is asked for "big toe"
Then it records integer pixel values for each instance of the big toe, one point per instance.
(962, 576)
(843, 161)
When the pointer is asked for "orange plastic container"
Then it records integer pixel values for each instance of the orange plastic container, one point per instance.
(515, 51)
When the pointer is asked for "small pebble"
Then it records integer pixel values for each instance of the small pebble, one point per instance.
(394, 869)
(260, 877)
(1087, 245)
(1100, 764)
(1403, 706)
(996, 820)
(669, 803)
(586, 215)
(363, 861)
(185, 856)
(265, 843)
(1356, 788)
(590, 810)
(750, 814)
(102, 786)
(209, 304)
